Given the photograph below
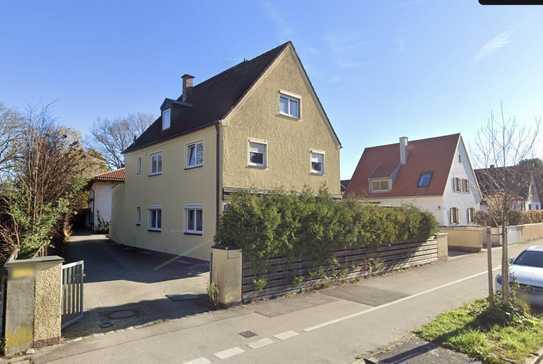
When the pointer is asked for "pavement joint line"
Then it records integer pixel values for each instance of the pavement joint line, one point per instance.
(286, 335)
(360, 313)
(228, 353)
(260, 343)
(200, 360)
(163, 264)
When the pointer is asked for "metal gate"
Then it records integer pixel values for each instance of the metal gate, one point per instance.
(72, 292)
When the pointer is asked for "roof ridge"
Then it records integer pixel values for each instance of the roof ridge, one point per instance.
(113, 171)
(244, 62)
(414, 141)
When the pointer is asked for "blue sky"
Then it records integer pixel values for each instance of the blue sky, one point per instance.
(382, 69)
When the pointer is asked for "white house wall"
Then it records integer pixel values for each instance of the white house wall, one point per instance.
(432, 204)
(461, 200)
(102, 202)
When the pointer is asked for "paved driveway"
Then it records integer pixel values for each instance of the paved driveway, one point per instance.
(125, 286)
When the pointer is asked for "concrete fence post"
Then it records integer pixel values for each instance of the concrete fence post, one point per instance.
(442, 246)
(226, 275)
(33, 311)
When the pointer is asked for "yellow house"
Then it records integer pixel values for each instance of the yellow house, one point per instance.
(257, 126)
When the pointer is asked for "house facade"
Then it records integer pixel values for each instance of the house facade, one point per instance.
(433, 174)
(100, 199)
(257, 126)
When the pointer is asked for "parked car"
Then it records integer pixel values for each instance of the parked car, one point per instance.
(526, 270)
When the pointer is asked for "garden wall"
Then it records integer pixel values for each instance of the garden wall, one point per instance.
(466, 238)
(282, 277)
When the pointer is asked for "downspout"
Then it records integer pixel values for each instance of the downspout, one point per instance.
(217, 173)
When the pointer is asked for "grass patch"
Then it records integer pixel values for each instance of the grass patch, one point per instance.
(493, 335)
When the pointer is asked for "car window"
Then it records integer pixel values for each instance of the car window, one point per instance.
(530, 258)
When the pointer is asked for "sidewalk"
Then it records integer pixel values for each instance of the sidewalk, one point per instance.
(331, 325)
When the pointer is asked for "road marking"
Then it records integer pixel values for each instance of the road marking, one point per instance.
(260, 343)
(228, 353)
(360, 313)
(200, 360)
(286, 335)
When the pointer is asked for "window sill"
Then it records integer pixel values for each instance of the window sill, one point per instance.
(316, 174)
(193, 233)
(194, 167)
(287, 116)
(138, 224)
(256, 166)
(154, 174)
(155, 230)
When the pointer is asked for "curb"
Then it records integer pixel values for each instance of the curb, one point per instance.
(538, 358)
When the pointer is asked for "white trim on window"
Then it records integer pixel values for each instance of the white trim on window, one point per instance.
(157, 164)
(257, 146)
(166, 119)
(194, 219)
(379, 181)
(290, 105)
(314, 156)
(155, 218)
(194, 157)
(140, 166)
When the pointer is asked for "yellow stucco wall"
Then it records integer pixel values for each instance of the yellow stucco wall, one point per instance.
(289, 141)
(171, 190)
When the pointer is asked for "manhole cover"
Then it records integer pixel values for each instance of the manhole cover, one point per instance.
(105, 324)
(121, 314)
(248, 333)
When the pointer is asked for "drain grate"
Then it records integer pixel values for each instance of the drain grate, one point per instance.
(121, 314)
(248, 334)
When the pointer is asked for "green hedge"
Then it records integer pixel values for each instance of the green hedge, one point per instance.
(292, 225)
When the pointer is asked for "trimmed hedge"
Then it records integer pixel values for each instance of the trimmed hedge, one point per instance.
(309, 225)
(515, 218)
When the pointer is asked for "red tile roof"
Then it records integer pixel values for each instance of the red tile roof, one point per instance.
(117, 175)
(424, 155)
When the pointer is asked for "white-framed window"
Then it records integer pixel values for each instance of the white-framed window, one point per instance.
(289, 105)
(194, 219)
(470, 215)
(453, 215)
(140, 165)
(380, 185)
(155, 218)
(465, 185)
(166, 119)
(316, 160)
(258, 154)
(156, 164)
(138, 215)
(194, 156)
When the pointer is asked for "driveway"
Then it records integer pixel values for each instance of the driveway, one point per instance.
(126, 286)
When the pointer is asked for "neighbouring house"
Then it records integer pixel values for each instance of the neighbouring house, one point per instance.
(258, 126)
(100, 198)
(433, 174)
(520, 179)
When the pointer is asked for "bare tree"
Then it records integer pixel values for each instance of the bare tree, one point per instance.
(112, 137)
(501, 145)
(10, 132)
(47, 178)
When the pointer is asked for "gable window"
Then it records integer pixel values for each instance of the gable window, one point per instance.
(195, 155)
(289, 105)
(453, 215)
(380, 186)
(424, 179)
(317, 163)
(470, 214)
(155, 219)
(465, 185)
(140, 165)
(194, 219)
(156, 164)
(166, 119)
(138, 215)
(459, 158)
(258, 154)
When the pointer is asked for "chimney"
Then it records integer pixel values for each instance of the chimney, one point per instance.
(403, 150)
(187, 86)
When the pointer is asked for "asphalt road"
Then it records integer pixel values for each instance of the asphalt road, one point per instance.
(334, 325)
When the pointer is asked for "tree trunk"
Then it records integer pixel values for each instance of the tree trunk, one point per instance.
(489, 261)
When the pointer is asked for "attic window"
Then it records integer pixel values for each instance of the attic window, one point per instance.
(289, 105)
(424, 179)
(166, 119)
(381, 185)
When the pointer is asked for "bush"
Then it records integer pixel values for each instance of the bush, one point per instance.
(309, 225)
(485, 219)
(532, 217)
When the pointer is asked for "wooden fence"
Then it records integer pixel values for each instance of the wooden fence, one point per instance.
(282, 276)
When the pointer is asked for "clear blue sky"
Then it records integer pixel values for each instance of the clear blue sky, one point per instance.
(381, 68)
